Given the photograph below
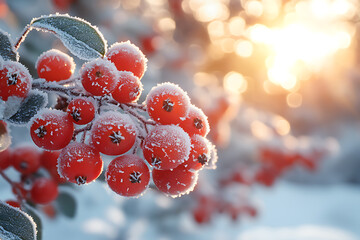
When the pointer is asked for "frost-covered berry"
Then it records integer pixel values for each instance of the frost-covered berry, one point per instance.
(51, 129)
(81, 111)
(127, 57)
(128, 175)
(128, 89)
(167, 103)
(199, 154)
(99, 77)
(15, 80)
(113, 133)
(25, 159)
(5, 159)
(44, 190)
(195, 122)
(166, 147)
(79, 163)
(54, 65)
(175, 182)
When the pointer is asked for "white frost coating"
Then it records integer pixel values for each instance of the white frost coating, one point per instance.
(211, 163)
(104, 66)
(174, 142)
(75, 46)
(164, 89)
(9, 107)
(128, 47)
(57, 55)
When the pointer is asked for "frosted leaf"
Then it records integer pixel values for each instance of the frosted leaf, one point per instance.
(7, 51)
(35, 101)
(79, 36)
(10, 107)
(5, 138)
(5, 235)
(14, 221)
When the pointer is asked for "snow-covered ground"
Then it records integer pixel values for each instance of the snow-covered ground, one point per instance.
(288, 212)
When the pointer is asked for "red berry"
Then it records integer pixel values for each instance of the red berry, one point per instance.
(48, 160)
(5, 159)
(99, 77)
(81, 111)
(49, 210)
(195, 122)
(201, 214)
(51, 129)
(128, 175)
(127, 57)
(175, 182)
(54, 65)
(13, 203)
(15, 80)
(199, 154)
(128, 89)
(79, 163)
(167, 103)
(166, 147)
(26, 160)
(62, 5)
(113, 133)
(44, 190)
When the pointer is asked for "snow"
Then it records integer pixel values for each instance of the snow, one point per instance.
(308, 232)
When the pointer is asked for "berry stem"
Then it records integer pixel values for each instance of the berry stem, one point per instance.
(145, 122)
(67, 91)
(14, 186)
(25, 32)
(82, 130)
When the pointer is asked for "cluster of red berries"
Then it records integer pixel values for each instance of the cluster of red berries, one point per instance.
(173, 140)
(208, 205)
(273, 163)
(38, 170)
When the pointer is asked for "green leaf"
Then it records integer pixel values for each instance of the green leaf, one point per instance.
(7, 50)
(79, 36)
(15, 222)
(67, 204)
(35, 101)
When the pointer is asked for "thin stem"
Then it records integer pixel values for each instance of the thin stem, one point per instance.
(18, 194)
(22, 37)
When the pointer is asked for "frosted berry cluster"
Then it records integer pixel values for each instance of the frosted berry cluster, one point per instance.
(163, 139)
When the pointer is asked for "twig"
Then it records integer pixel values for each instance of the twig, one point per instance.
(18, 193)
(25, 32)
